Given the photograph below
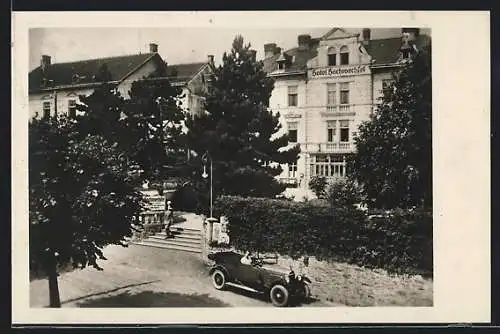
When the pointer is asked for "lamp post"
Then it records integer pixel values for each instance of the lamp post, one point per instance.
(160, 100)
(205, 158)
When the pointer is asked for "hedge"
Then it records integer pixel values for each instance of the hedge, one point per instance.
(400, 242)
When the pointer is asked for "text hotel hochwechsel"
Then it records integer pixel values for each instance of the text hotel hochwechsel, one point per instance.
(331, 72)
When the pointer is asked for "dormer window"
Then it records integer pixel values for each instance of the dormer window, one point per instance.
(282, 60)
(332, 57)
(344, 55)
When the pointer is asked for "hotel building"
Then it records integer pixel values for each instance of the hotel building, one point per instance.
(325, 87)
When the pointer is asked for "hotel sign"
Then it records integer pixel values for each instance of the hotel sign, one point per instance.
(334, 72)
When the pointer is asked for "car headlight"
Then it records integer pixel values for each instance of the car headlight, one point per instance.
(287, 279)
(299, 278)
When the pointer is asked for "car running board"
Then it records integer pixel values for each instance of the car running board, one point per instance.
(243, 287)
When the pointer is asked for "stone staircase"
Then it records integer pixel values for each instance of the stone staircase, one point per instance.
(188, 239)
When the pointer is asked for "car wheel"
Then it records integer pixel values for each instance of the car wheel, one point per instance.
(218, 279)
(279, 295)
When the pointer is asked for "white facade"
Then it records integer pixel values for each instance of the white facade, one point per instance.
(66, 97)
(333, 96)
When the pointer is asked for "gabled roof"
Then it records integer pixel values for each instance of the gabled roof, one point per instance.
(345, 34)
(84, 72)
(179, 73)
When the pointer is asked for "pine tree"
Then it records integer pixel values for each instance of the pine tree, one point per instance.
(239, 131)
(393, 161)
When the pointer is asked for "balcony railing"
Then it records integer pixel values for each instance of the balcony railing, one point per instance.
(341, 147)
(291, 182)
(343, 108)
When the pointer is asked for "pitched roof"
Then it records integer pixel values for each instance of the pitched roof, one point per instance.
(383, 51)
(299, 58)
(386, 51)
(183, 72)
(85, 71)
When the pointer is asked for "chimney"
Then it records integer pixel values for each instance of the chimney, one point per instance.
(45, 62)
(210, 59)
(410, 34)
(153, 47)
(304, 42)
(253, 54)
(366, 34)
(269, 50)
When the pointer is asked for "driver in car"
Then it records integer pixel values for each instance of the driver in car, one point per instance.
(246, 259)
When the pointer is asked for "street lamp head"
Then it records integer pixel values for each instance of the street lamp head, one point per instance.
(205, 174)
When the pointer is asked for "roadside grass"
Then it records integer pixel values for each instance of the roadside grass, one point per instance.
(352, 285)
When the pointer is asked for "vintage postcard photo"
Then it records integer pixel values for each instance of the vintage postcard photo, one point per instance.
(269, 171)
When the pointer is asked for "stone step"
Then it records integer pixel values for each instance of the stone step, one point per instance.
(186, 233)
(178, 238)
(174, 242)
(168, 246)
(185, 229)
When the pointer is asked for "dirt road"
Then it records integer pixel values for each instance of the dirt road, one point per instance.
(140, 276)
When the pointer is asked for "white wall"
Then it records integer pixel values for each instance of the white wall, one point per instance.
(63, 96)
(145, 70)
(36, 101)
(312, 114)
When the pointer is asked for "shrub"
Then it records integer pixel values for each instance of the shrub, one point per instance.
(344, 192)
(401, 242)
(318, 185)
(188, 198)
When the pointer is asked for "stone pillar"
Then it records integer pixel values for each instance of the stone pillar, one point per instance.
(210, 226)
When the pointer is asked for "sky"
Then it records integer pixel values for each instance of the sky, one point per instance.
(175, 45)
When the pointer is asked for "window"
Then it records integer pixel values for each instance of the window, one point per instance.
(46, 109)
(292, 170)
(331, 94)
(344, 131)
(72, 108)
(292, 132)
(386, 86)
(292, 96)
(332, 57)
(344, 93)
(328, 165)
(344, 55)
(281, 66)
(331, 127)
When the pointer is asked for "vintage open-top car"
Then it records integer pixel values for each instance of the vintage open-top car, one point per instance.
(283, 287)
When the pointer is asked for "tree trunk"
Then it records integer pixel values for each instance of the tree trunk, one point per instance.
(55, 300)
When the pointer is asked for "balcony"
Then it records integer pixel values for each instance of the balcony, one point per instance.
(340, 147)
(340, 110)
